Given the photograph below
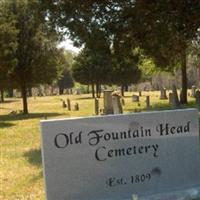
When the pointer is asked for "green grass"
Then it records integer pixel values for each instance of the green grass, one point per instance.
(20, 159)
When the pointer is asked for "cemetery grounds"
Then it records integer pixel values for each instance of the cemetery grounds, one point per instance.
(20, 157)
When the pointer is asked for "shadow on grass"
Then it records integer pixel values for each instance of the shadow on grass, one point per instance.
(15, 117)
(34, 157)
(84, 98)
(6, 124)
(9, 101)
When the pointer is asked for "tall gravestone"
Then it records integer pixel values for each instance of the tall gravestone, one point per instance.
(108, 107)
(117, 106)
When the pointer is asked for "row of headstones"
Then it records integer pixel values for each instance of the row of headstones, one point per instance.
(113, 103)
(68, 105)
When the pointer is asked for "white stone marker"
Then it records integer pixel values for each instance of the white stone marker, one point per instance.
(113, 157)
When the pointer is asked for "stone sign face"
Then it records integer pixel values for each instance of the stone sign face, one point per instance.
(113, 157)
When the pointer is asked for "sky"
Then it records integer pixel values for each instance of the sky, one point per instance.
(68, 45)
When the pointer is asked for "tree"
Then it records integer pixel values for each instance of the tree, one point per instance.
(65, 79)
(7, 46)
(164, 29)
(125, 69)
(35, 54)
(93, 67)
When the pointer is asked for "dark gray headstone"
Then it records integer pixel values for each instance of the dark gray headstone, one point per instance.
(108, 107)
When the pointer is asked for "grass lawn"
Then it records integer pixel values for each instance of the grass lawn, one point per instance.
(20, 162)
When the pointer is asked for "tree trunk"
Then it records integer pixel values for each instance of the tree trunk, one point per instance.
(10, 92)
(183, 97)
(61, 90)
(2, 95)
(122, 90)
(93, 92)
(97, 90)
(24, 98)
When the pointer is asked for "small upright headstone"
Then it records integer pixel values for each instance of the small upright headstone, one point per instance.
(76, 107)
(163, 94)
(68, 104)
(197, 96)
(108, 107)
(193, 91)
(135, 98)
(170, 98)
(64, 104)
(96, 106)
(147, 102)
(117, 107)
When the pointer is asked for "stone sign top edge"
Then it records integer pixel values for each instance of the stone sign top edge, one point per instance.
(116, 115)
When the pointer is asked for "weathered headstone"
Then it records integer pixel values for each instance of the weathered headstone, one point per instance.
(68, 104)
(96, 106)
(108, 107)
(76, 107)
(197, 96)
(170, 98)
(135, 98)
(163, 94)
(114, 157)
(147, 102)
(193, 91)
(117, 107)
(64, 104)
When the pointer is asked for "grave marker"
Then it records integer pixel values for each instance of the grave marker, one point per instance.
(114, 157)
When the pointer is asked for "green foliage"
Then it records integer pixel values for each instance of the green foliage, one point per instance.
(65, 79)
(32, 45)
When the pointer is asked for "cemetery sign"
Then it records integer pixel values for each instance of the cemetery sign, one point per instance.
(113, 157)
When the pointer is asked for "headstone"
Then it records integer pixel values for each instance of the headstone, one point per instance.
(117, 107)
(108, 107)
(77, 91)
(193, 91)
(197, 96)
(175, 100)
(64, 104)
(163, 94)
(68, 104)
(76, 107)
(96, 106)
(135, 98)
(140, 93)
(170, 98)
(121, 156)
(147, 102)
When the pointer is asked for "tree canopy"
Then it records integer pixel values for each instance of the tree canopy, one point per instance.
(163, 29)
(34, 53)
